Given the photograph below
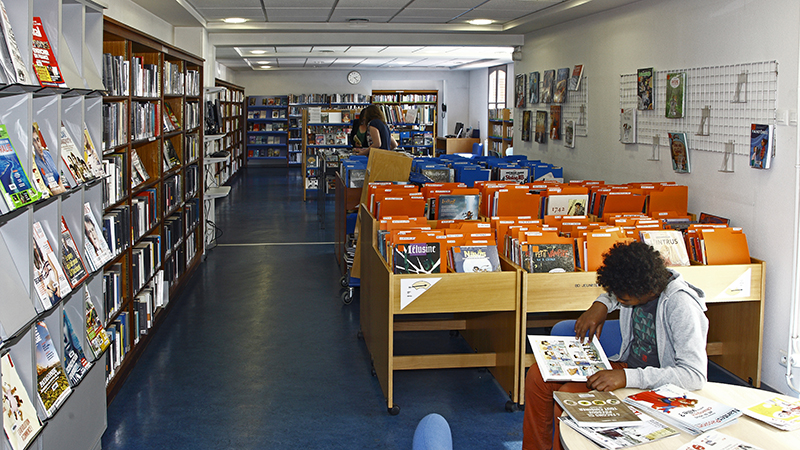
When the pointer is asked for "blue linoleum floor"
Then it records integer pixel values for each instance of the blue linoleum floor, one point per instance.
(259, 352)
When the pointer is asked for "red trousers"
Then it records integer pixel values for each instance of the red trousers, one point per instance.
(538, 432)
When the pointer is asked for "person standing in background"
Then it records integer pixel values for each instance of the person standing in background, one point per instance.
(358, 135)
(378, 134)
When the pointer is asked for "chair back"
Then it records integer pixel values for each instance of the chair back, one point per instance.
(610, 338)
(477, 149)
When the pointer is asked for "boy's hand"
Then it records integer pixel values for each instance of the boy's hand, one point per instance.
(607, 380)
(591, 320)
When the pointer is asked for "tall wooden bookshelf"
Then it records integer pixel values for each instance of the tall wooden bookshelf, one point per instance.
(79, 422)
(232, 109)
(415, 132)
(174, 218)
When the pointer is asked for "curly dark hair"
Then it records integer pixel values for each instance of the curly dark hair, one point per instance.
(633, 269)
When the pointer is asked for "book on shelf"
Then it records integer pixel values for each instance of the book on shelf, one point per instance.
(618, 437)
(170, 155)
(679, 152)
(714, 440)
(71, 259)
(779, 412)
(475, 258)
(48, 276)
(75, 363)
(417, 258)
(565, 358)
(548, 84)
(676, 92)
(644, 88)
(51, 380)
(575, 78)
(97, 250)
(96, 335)
(20, 421)
(13, 66)
(540, 130)
(685, 410)
(37, 180)
(762, 142)
(457, 207)
(550, 258)
(711, 218)
(596, 409)
(14, 182)
(139, 174)
(555, 122)
(669, 243)
(533, 91)
(627, 126)
(91, 156)
(73, 159)
(560, 89)
(45, 65)
(567, 204)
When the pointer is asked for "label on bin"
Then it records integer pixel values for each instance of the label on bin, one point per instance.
(412, 288)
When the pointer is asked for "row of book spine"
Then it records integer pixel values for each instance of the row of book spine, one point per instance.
(118, 73)
(328, 98)
(173, 79)
(173, 194)
(115, 124)
(144, 120)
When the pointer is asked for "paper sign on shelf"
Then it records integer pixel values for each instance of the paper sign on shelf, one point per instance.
(739, 288)
(412, 288)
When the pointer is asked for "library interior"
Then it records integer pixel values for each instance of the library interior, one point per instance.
(390, 224)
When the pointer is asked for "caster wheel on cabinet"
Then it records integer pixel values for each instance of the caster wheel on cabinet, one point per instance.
(512, 406)
(344, 282)
(394, 410)
(347, 297)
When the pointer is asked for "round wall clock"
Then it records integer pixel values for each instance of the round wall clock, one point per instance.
(354, 77)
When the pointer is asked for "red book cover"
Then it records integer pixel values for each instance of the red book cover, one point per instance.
(44, 61)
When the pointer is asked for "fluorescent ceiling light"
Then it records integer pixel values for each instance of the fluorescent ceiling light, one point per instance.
(266, 67)
(234, 20)
(262, 62)
(258, 52)
(480, 21)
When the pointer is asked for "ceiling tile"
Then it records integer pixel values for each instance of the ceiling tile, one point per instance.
(229, 4)
(348, 61)
(373, 62)
(361, 4)
(291, 62)
(365, 49)
(211, 14)
(328, 4)
(297, 14)
(293, 49)
(323, 48)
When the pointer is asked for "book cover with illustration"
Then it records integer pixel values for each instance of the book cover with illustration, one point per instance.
(519, 91)
(669, 243)
(762, 140)
(569, 133)
(676, 92)
(20, 422)
(71, 259)
(644, 88)
(533, 88)
(73, 159)
(96, 247)
(567, 204)
(526, 125)
(17, 188)
(779, 412)
(90, 155)
(75, 362)
(96, 335)
(49, 279)
(44, 60)
(560, 89)
(417, 258)
(555, 122)
(682, 409)
(540, 131)
(627, 126)
(458, 207)
(617, 437)
(551, 258)
(596, 409)
(575, 78)
(548, 84)
(52, 383)
(565, 358)
(475, 258)
(679, 152)
(515, 174)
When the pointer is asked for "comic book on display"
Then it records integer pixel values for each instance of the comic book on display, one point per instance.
(555, 122)
(627, 126)
(458, 207)
(550, 258)
(762, 140)
(74, 267)
(714, 440)
(48, 276)
(44, 60)
(779, 412)
(669, 243)
(560, 89)
(565, 358)
(13, 66)
(526, 125)
(14, 182)
(682, 409)
(596, 409)
(533, 91)
(548, 84)
(575, 78)
(20, 422)
(540, 131)
(569, 133)
(475, 258)
(679, 151)
(644, 88)
(75, 363)
(422, 258)
(96, 335)
(676, 92)
(519, 90)
(617, 437)
(97, 251)
(52, 383)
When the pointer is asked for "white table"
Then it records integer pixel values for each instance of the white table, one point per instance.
(749, 430)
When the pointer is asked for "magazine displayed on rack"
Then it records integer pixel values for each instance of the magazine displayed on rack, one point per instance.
(90, 155)
(49, 280)
(685, 410)
(52, 383)
(20, 422)
(616, 437)
(75, 362)
(15, 185)
(564, 358)
(44, 60)
(11, 59)
(97, 251)
(73, 159)
(74, 268)
(96, 335)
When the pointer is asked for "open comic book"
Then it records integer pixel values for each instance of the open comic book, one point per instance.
(562, 358)
(616, 437)
(20, 422)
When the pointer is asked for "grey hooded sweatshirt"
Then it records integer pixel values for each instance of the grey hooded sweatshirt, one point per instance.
(681, 331)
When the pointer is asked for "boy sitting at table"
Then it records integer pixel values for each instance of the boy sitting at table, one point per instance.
(663, 328)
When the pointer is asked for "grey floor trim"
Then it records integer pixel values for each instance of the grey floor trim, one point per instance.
(270, 244)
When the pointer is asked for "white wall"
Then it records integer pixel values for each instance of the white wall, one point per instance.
(453, 86)
(133, 15)
(478, 101)
(672, 34)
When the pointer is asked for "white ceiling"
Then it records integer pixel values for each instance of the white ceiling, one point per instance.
(398, 34)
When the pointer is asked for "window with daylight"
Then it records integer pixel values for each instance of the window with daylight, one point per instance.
(497, 87)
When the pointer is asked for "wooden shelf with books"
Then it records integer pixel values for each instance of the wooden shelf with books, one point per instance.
(411, 115)
(322, 129)
(501, 130)
(49, 139)
(267, 130)
(232, 110)
(155, 187)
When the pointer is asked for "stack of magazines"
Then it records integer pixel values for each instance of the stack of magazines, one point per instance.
(779, 412)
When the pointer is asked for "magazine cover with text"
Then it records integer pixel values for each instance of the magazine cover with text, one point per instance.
(20, 422)
(53, 385)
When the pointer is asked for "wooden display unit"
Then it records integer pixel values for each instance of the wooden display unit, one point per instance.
(322, 135)
(485, 308)
(501, 126)
(178, 187)
(734, 297)
(395, 104)
(455, 145)
(347, 199)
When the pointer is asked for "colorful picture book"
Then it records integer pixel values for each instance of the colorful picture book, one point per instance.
(676, 92)
(567, 205)
(779, 412)
(564, 358)
(96, 335)
(762, 140)
(679, 152)
(555, 122)
(560, 89)
(475, 258)
(44, 60)
(540, 130)
(669, 243)
(714, 440)
(533, 88)
(596, 409)
(644, 88)
(75, 362)
(458, 207)
(422, 258)
(71, 259)
(20, 422)
(627, 126)
(43, 160)
(548, 84)
(97, 251)
(48, 276)
(14, 182)
(52, 383)
(550, 258)
(685, 410)
(575, 78)
(617, 437)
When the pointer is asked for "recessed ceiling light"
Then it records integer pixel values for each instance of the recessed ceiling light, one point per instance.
(357, 23)
(234, 20)
(266, 67)
(262, 62)
(480, 21)
(258, 52)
